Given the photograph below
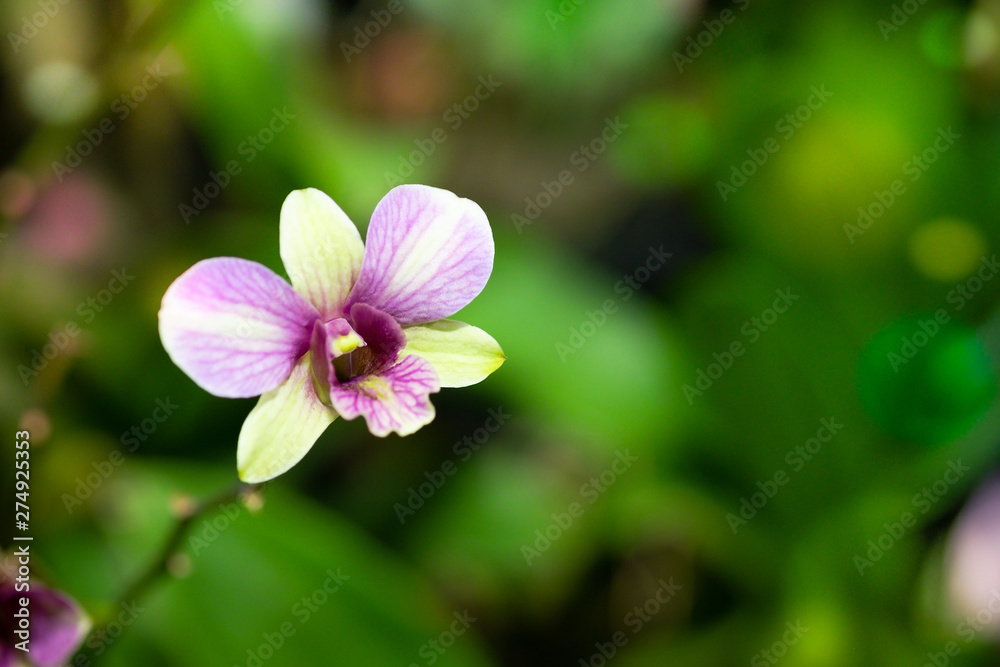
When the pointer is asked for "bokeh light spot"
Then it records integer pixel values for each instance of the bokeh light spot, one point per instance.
(981, 39)
(60, 92)
(941, 38)
(946, 249)
(924, 381)
(669, 141)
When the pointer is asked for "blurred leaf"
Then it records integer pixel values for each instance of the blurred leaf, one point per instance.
(609, 373)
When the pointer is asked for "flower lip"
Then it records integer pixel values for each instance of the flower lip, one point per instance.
(330, 341)
(345, 351)
(384, 336)
(396, 400)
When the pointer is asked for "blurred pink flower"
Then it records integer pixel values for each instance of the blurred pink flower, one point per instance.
(55, 623)
(973, 560)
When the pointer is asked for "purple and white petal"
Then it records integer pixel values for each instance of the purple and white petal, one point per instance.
(321, 250)
(58, 626)
(234, 326)
(429, 253)
(398, 400)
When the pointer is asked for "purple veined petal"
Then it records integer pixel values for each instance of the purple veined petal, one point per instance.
(428, 254)
(397, 400)
(234, 326)
(58, 625)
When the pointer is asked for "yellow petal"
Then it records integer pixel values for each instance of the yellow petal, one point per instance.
(460, 353)
(321, 249)
(282, 427)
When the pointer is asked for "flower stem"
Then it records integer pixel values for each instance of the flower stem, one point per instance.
(161, 564)
(171, 547)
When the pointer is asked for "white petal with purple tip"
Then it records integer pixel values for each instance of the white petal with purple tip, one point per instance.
(321, 249)
(428, 254)
(234, 326)
(282, 428)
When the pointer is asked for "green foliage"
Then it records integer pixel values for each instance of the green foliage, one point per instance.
(718, 385)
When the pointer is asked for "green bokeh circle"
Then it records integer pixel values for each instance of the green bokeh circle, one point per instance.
(926, 385)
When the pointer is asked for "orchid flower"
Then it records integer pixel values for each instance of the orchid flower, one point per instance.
(360, 330)
(57, 624)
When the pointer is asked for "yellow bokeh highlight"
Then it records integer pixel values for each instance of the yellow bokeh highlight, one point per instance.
(946, 249)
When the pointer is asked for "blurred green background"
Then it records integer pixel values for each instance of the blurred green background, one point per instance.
(793, 387)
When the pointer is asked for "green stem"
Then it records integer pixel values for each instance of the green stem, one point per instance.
(172, 546)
